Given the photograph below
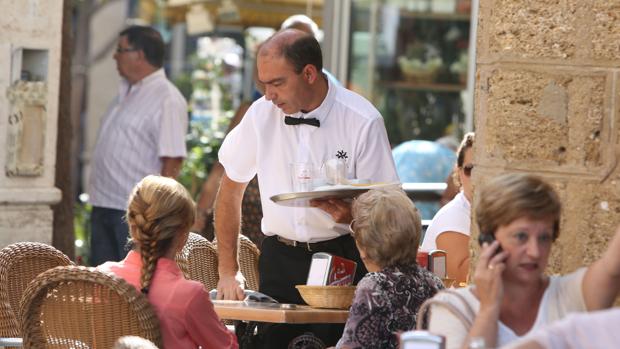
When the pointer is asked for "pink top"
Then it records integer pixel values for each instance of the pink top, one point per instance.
(186, 315)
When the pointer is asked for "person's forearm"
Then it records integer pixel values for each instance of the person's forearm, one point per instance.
(227, 225)
(206, 199)
(602, 280)
(171, 167)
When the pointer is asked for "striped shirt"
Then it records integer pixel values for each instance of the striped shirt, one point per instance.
(146, 121)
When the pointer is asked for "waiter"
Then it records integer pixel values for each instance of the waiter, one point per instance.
(301, 118)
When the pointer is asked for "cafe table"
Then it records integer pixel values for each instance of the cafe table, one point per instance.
(252, 313)
(277, 312)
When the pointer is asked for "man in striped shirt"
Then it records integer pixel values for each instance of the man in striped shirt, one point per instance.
(143, 133)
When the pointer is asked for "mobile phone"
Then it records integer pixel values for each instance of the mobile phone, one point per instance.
(488, 238)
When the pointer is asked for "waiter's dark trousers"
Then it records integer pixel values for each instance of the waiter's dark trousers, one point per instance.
(282, 267)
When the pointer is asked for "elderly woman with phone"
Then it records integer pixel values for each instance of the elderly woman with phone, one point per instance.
(386, 227)
(512, 295)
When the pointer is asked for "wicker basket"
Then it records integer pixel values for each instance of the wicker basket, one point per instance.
(333, 297)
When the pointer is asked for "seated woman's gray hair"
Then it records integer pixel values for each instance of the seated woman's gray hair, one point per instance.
(387, 225)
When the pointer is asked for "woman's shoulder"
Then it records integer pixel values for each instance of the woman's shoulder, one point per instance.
(373, 280)
(458, 296)
(455, 209)
(179, 287)
(454, 216)
(413, 276)
(565, 294)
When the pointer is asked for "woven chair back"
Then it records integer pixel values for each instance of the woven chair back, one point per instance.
(79, 307)
(248, 262)
(182, 257)
(198, 261)
(20, 263)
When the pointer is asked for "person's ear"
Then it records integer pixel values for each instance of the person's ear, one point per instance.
(310, 73)
(141, 56)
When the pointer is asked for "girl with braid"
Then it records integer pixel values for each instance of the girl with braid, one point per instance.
(160, 213)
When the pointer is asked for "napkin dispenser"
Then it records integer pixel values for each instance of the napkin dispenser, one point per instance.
(330, 270)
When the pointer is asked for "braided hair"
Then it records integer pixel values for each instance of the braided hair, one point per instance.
(159, 211)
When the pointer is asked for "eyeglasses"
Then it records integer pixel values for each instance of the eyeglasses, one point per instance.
(467, 169)
(352, 228)
(120, 50)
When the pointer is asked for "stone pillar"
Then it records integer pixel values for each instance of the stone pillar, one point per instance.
(30, 48)
(546, 102)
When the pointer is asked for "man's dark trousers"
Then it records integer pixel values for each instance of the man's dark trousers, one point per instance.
(282, 267)
(109, 234)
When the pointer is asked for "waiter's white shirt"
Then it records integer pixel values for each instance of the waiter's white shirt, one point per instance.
(146, 121)
(263, 144)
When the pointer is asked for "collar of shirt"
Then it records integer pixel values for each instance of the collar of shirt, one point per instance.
(126, 88)
(163, 264)
(322, 112)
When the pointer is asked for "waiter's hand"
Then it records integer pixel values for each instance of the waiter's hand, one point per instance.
(339, 209)
(231, 287)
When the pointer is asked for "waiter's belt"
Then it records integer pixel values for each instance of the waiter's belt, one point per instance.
(312, 246)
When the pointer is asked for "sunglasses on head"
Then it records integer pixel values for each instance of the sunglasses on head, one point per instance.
(467, 169)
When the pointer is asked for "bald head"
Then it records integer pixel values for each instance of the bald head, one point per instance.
(303, 23)
(296, 46)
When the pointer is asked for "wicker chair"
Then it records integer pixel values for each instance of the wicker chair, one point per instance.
(198, 261)
(20, 263)
(79, 307)
(248, 262)
(182, 257)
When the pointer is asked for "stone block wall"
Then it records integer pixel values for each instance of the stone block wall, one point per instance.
(25, 198)
(547, 102)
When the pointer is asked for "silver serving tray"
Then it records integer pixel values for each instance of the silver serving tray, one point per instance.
(302, 199)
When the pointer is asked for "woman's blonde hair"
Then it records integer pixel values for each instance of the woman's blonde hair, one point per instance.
(159, 209)
(515, 195)
(387, 226)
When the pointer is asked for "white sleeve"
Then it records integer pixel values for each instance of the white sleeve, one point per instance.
(238, 153)
(173, 127)
(375, 161)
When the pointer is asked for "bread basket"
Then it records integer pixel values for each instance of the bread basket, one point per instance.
(330, 297)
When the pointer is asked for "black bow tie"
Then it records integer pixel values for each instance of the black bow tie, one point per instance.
(289, 120)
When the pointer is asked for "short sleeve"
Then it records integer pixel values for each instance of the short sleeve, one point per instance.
(238, 153)
(375, 161)
(204, 326)
(173, 127)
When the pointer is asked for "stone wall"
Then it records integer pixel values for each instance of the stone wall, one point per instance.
(30, 40)
(546, 102)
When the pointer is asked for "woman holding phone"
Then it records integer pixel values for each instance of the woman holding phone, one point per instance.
(512, 294)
